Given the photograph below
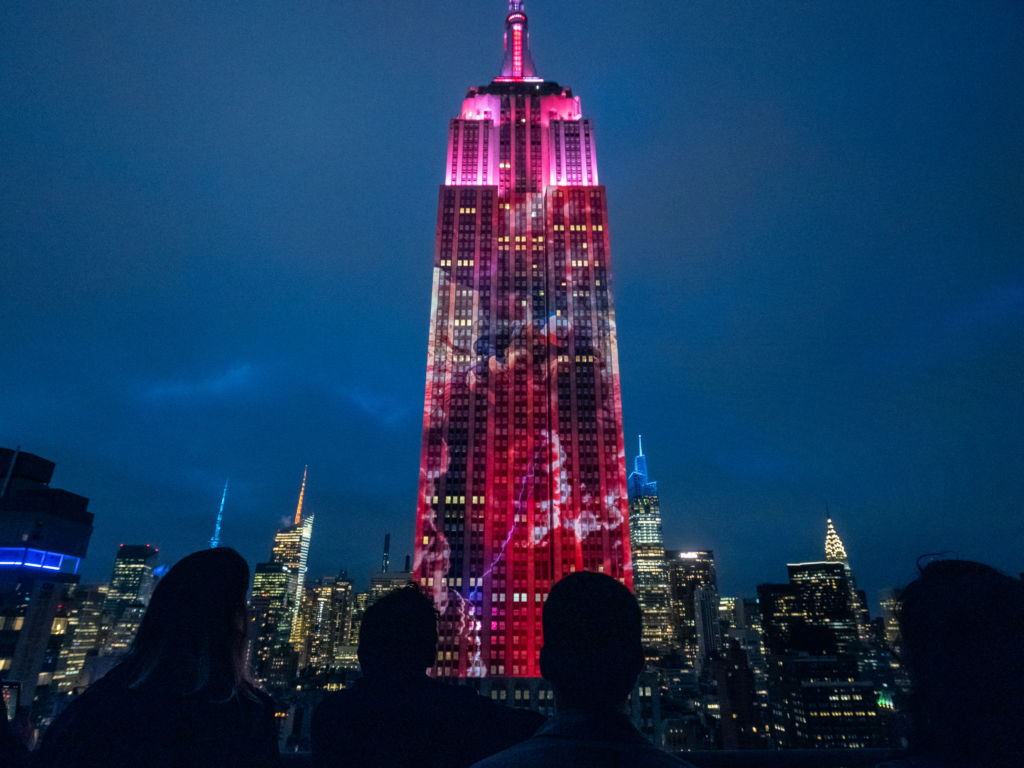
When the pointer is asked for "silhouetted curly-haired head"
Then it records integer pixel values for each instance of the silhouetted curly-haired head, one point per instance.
(398, 634)
(592, 650)
(962, 627)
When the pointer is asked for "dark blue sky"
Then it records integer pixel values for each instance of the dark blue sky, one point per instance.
(217, 230)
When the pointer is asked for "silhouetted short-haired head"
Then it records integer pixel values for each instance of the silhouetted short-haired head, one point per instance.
(962, 628)
(193, 635)
(592, 650)
(398, 634)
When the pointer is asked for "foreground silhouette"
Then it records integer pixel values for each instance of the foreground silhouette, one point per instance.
(13, 753)
(592, 655)
(962, 644)
(183, 695)
(395, 715)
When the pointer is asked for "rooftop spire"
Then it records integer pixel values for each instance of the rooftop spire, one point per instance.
(834, 549)
(517, 64)
(215, 541)
(302, 492)
(639, 464)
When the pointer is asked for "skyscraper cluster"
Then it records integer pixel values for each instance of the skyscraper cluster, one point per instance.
(799, 666)
(522, 481)
(278, 590)
(301, 627)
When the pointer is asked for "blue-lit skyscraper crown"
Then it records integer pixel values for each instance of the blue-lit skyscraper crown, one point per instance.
(638, 483)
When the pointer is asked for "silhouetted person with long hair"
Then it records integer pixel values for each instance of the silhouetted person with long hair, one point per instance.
(592, 655)
(396, 716)
(962, 644)
(183, 695)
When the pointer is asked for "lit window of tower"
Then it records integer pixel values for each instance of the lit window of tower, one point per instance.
(522, 469)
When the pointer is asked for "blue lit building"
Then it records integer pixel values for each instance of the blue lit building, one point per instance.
(44, 533)
(647, 545)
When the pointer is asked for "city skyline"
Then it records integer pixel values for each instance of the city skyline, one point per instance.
(818, 280)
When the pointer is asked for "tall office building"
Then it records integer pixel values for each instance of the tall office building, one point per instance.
(650, 574)
(278, 589)
(522, 470)
(326, 621)
(86, 636)
(693, 582)
(827, 601)
(835, 552)
(44, 533)
(271, 618)
(131, 581)
(291, 549)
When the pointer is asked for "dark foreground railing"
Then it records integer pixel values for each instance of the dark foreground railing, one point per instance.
(753, 758)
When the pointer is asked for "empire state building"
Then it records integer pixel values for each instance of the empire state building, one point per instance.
(522, 467)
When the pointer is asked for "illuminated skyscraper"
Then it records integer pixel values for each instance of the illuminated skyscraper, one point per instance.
(44, 533)
(291, 549)
(271, 616)
(85, 636)
(836, 552)
(326, 620)
(522, 470)
(650, 575)
(694, 585)
(132, 579)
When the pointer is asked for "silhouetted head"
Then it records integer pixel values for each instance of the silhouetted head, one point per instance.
(398, 634)
(193, 636)
(962, 626)
(592, 650)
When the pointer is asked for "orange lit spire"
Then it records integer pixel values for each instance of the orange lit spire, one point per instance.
(302, 492)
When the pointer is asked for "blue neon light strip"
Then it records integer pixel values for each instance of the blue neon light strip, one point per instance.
(19, 557)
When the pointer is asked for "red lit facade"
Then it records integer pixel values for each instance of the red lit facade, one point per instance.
(522, 469)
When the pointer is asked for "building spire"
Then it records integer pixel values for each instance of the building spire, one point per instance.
(640, 443)
(518, 63)
(834, 549)
(215, 541)
(302, 493)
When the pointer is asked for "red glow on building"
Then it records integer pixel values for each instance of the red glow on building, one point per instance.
(517, 51)
(522, 471)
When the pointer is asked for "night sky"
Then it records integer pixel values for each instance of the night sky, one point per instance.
(217, 228)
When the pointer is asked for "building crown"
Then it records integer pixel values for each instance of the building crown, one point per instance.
(302, 493)
(517, 63)
(834, 549)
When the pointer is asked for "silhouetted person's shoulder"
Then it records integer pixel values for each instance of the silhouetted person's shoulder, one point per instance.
(110, 724)
(12, 752)
(594, 740)
(413, 721)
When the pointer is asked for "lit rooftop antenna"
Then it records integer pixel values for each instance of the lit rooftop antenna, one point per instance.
(302, 493)
(215, 541)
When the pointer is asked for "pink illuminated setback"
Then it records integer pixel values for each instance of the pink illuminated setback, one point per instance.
(522, 465)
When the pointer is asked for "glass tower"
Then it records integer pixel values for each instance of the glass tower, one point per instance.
(291, 549)
(132, 579)
(522, 469)
(650, 574)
